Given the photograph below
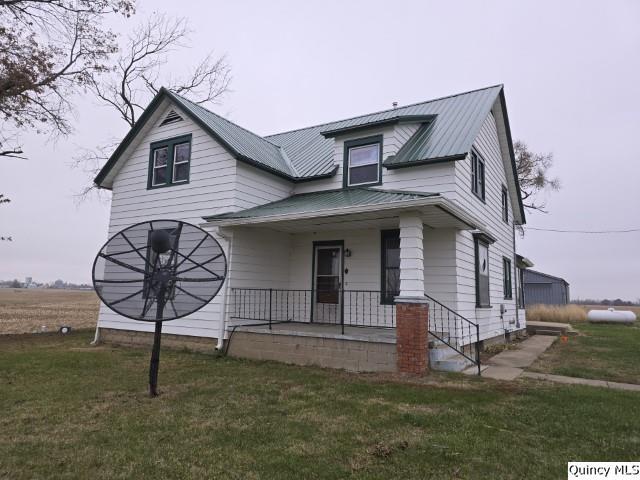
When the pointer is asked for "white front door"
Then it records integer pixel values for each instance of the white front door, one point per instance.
(327, 283)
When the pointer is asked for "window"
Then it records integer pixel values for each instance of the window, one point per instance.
(390, 280)
(506, 279)
(362, 161)
(477, 175)
(505, 204)
(482, 274)
(170, 162)
(160, 163)
(152, 258)
(181, 162)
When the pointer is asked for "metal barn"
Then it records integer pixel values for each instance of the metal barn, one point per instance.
(542, 288)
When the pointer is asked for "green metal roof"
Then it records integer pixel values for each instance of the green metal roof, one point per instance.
(450, 125)
(241, 141)
(324, 200)
(458, 119)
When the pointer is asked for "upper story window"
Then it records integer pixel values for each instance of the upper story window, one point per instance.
(505, 204)
(477, 175)
(169, 162)
(362, 161)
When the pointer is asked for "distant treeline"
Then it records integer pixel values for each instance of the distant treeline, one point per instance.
(618, 302)
(59, 284)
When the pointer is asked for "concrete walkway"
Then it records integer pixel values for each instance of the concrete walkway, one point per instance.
(510, 364)
(582, 381)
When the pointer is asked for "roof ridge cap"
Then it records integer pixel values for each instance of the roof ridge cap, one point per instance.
(386, 110)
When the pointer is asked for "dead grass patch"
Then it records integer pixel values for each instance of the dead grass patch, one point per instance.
(29, 310)
(556, 313)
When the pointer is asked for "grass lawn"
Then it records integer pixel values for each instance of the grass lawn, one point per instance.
(601, 351)
(68, 410)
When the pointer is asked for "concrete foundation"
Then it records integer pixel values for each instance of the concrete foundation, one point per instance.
(178, 342)
(343, 353)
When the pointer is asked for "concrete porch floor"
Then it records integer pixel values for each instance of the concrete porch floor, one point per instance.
(324, 330)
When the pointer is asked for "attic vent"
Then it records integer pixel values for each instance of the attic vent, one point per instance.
(172, 117)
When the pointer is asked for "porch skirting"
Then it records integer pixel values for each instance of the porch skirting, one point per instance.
(115, 336)
(341, 353)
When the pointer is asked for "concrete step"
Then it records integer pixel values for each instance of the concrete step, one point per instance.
(442, 352)
(444, 358)
(457, 364)
(550, 328)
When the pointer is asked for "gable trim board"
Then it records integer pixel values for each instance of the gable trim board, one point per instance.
(439, 132)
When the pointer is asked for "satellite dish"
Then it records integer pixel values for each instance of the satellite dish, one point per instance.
(158, 271)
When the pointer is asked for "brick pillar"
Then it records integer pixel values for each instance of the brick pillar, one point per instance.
(412, 318)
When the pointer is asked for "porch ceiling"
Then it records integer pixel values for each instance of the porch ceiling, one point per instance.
(435, 210)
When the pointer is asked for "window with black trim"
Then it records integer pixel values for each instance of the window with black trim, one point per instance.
(477, 175)
(507, 278)
(482, 274)
(169, 162)
(505, 204)
(362, 161)
(390, 275)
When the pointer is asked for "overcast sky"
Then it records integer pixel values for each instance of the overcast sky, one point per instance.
(571, 71)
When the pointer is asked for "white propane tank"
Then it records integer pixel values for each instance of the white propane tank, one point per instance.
(611, 315)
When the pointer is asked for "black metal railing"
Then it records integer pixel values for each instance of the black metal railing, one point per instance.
(351, 308)
(454, 330)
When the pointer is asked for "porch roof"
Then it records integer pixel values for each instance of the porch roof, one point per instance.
(352, 203)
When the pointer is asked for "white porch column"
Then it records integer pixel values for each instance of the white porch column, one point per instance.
(411, 256)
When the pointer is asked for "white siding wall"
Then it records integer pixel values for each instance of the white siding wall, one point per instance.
(490, 212)
(218, 183)
(257, 187)
(440, 281)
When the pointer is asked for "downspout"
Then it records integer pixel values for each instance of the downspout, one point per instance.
(223, 317)
(96, 336)
(516, 277)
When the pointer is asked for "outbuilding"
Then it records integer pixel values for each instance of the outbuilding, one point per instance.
(542, 288)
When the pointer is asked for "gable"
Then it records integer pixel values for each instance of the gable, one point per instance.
(242, 144)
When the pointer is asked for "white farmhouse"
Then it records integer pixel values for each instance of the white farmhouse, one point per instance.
(362, 244)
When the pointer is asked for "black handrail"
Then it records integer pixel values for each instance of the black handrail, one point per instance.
(351, 308)
(454, 330)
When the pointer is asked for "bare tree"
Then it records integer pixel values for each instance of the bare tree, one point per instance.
(49, 49)
(139, 74)
(533, 172)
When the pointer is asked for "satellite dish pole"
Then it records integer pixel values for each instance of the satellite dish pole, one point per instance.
(184, 280)
(160, 243)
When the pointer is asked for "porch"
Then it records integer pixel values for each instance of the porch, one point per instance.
(358, 333)
(338, 262)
